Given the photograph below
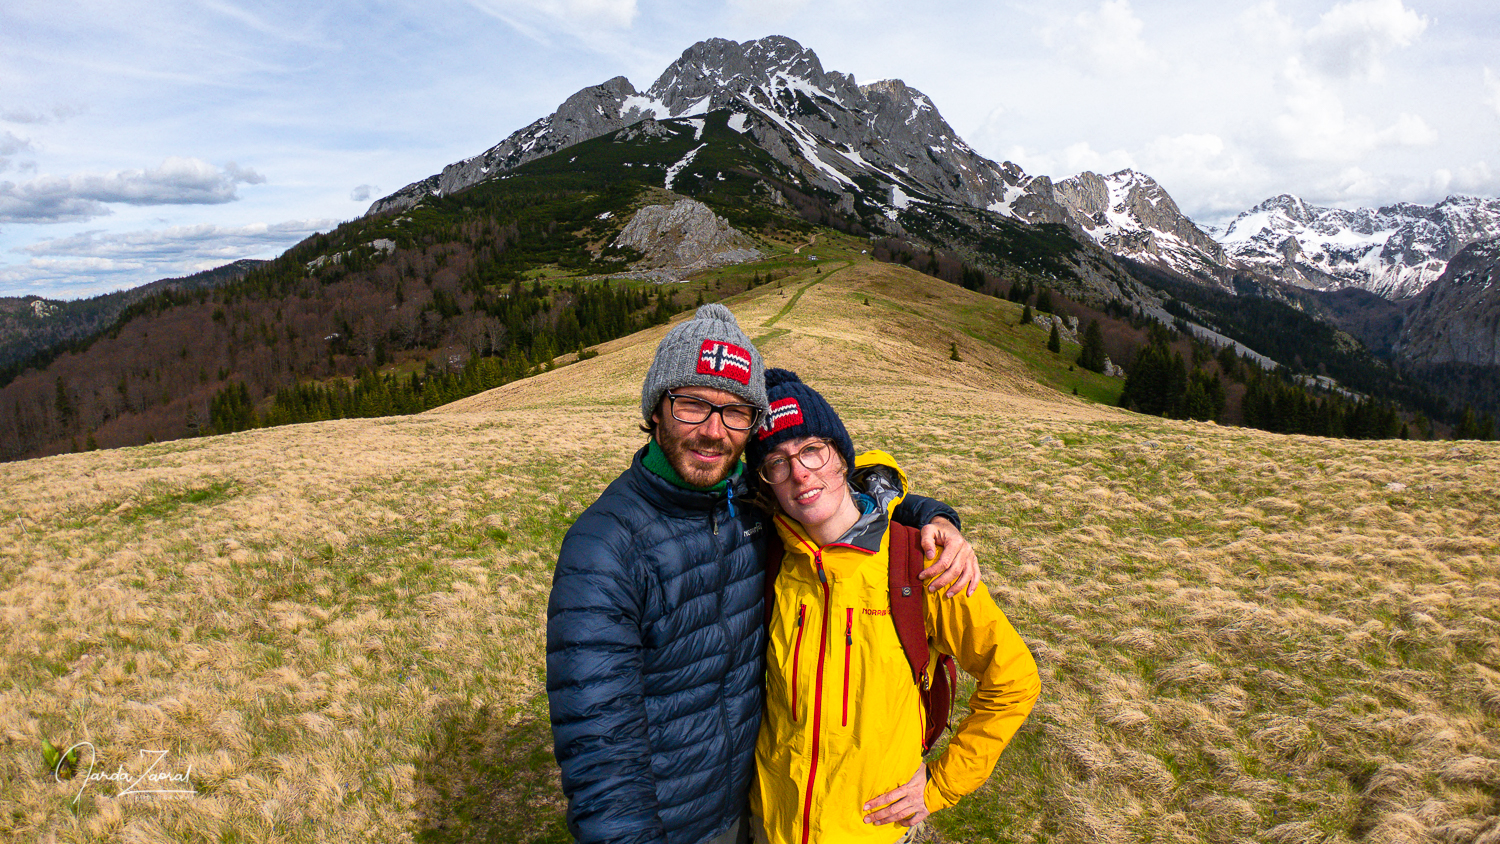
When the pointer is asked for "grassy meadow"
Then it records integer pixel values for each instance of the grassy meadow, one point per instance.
(334, 632)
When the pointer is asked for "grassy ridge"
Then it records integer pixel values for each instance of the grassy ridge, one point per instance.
(338, 626)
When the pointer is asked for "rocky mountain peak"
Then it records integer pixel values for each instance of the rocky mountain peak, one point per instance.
(711, 74)
(1291, 207)
(1129, 214)
(818, 123)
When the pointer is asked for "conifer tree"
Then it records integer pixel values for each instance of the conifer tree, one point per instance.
(1468, 425)
(1026, 316)
(61, 401)
(1054, 340)
(1091, 357)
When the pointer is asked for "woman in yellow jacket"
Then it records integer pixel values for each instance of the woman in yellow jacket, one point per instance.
(842, 731)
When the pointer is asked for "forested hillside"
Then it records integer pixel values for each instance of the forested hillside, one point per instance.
(415, 296)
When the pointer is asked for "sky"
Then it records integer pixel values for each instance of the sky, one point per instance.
(147, 139)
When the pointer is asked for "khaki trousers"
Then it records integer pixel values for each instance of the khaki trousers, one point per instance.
(758, 832)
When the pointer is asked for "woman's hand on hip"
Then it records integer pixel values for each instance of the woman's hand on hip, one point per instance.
(905, 805)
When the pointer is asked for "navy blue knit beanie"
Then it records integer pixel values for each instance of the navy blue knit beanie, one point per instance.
(796, 411)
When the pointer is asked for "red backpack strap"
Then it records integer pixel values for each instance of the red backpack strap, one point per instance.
(939, 699)
(908, 610)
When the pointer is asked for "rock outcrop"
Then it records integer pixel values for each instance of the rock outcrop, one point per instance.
(683, 238)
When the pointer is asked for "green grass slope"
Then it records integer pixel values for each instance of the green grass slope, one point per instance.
(335, 630)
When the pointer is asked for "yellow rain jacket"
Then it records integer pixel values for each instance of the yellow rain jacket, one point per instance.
(843, 720)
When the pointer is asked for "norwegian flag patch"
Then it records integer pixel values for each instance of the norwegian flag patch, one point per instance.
(785, 413)
(715, 357)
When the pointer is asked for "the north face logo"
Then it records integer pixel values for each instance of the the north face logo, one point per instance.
(715, 357)
(785, 413)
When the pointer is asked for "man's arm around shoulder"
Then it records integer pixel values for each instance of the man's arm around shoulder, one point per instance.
(953, 563)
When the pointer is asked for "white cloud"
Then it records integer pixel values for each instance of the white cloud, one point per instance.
(28, 116)
(1476, 179)
(1106, 41)
(992, 132)
(768, 11)
(1266, 25)
(178, 181)
(1350, 39)
(1209, 178)
(1081, 156)
(1197, 148)
(363, 193)
(75, 279)
(1409, 130)
(200, 241)
(1316, 127)
(1351, 185)
(10, 145)
(45, 201)
(95, 262)
(1197, 159)
(22, 115)
(1492, 90)
(1070, 160)
(531, 16)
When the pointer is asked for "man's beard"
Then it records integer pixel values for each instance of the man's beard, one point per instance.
(676, 451)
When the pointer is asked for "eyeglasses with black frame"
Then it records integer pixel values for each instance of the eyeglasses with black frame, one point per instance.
(692, 410)
(813, 456)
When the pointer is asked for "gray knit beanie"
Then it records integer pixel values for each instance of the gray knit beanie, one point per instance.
(708, 350)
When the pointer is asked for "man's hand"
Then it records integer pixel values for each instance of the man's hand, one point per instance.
(905, 805)
(958, 567)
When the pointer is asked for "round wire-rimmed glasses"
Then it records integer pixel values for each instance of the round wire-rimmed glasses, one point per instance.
(692, 410)
(813, 456)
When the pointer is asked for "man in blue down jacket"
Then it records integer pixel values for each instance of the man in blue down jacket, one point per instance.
(655, 626)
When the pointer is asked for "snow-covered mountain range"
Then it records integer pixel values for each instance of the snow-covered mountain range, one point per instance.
(1395, 251)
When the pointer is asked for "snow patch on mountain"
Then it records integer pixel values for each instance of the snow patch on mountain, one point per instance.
(682, 164)
(641, 105)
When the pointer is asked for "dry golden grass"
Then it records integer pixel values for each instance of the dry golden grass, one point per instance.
(339, 626)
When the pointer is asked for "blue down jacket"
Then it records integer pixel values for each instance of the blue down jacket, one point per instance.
(655, 658)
